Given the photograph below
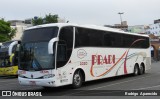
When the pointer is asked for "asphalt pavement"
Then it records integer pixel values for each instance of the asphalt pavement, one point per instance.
(116, 86)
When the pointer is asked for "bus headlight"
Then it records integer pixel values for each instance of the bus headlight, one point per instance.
(48, 76)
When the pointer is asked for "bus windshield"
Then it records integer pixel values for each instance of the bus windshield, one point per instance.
(34, 49)
(34, 56)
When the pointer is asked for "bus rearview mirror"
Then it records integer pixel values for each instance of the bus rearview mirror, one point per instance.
(50, 45)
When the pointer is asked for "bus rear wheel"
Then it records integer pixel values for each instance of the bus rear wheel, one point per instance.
(77, 79)
(136, 70)
(141, 69)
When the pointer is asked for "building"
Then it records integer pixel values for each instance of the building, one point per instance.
(123, 26)
(19, 25)
(154, 33)
(155, 47)
(141, 29)
(157, 21)
(154, 28)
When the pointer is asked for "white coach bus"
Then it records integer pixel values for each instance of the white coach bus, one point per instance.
(60, 54)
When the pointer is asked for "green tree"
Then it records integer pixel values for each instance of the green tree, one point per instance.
(6, 32)
(37, 21)
(51, 18)
(47, 19)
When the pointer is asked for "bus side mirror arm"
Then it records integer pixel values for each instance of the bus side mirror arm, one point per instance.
(50, 45)
(11, 47)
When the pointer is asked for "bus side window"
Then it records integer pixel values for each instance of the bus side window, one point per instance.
(107, 40)
(65, 43)
(61, 55)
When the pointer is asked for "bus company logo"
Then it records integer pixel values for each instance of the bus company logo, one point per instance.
(44, 72)
(100, 60)
(81, 53)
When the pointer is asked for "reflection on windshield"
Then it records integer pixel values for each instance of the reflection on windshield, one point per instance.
(4, 59)
(7, 60)
(34, 56)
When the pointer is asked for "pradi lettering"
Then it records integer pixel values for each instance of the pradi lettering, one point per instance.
(100, 60)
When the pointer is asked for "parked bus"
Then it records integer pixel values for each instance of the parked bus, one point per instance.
(60, 54)
(9, 59)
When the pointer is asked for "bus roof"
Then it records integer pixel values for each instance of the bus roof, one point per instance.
(85, 26)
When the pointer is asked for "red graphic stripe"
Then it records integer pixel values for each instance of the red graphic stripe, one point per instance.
(125, 61)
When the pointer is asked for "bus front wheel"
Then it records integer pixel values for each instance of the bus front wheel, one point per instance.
(77, 79)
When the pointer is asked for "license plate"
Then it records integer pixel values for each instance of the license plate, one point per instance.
(32, 82)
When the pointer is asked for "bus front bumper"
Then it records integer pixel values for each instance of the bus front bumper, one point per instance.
(49, 82)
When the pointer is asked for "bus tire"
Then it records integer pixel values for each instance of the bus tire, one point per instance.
(77, 79)
(141, 69)
(136, 70)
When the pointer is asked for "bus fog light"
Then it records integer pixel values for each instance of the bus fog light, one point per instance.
(51, 83)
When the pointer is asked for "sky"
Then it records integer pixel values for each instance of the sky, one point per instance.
(98, 12)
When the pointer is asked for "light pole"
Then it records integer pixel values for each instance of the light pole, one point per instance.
(120, 16)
